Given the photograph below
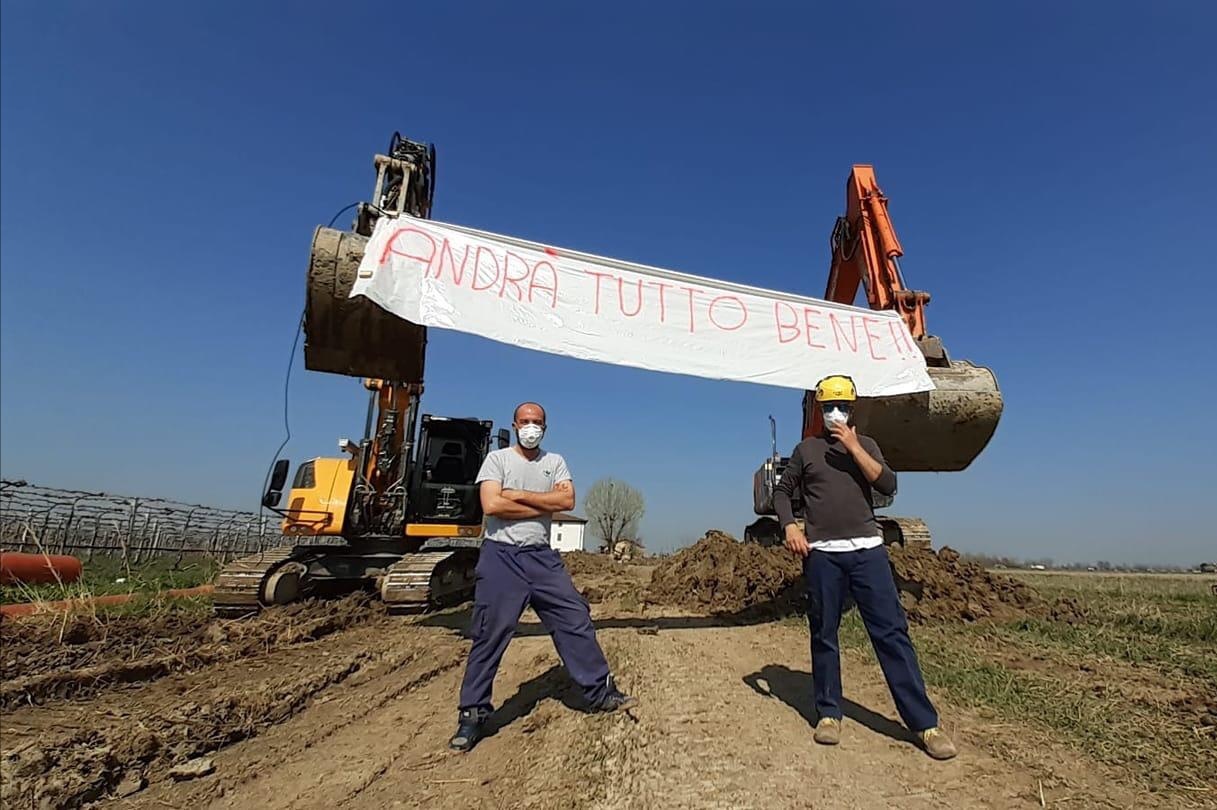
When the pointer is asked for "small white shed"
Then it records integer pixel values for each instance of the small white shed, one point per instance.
(568, 532)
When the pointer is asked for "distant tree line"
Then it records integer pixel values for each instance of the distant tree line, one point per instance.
(995, 561)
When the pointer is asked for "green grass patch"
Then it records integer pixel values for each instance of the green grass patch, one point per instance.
(1158, 747)
(109, 575)
(1169, 652)
(1123, 586)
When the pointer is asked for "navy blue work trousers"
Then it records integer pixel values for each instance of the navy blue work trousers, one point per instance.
(867, 576)
(509, 578)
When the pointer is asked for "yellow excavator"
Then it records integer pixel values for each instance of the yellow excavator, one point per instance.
(399, 509)
(943, 430)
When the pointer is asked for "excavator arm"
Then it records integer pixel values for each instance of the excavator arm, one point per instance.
(866, 250)
(941, 430)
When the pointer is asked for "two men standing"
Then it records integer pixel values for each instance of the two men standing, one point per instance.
(842, 550)
(841, 546)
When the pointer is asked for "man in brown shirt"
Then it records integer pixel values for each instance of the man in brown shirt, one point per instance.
(836, 473)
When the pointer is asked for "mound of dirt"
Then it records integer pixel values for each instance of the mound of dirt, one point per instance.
(941, 586)
(722, 575)
(600, 578)
(586, 563)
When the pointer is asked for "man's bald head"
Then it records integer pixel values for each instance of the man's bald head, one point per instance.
(528, 413)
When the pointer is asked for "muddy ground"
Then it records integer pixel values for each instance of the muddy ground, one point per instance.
(338, 704)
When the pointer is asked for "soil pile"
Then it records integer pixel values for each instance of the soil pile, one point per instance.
(722, 575)
(943, 587)
(586, 563)
(600, 578)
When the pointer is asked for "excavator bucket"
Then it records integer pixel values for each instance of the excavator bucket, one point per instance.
(353, 336)
(942, 430)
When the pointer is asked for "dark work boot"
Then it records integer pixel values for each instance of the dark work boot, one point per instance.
(614, 699)
(470, 728)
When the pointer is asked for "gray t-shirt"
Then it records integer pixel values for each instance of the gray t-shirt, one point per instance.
(514, 471)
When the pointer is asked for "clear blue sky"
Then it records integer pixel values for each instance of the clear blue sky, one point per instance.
(1051, 169)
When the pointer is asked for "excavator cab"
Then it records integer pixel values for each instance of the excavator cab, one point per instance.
(450, 453)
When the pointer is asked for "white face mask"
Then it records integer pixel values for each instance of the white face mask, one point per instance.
(835, 415)
(530, 436)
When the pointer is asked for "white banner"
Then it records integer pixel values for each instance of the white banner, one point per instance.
(593, 308)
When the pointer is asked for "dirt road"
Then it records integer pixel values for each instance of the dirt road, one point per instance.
(348, 707)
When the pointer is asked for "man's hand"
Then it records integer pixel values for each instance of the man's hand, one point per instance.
(846, 435)
(796, 540)
(872, 469)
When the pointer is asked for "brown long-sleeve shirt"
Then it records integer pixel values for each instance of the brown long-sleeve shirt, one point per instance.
(837, 502)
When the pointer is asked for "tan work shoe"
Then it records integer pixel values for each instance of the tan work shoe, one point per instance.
(828, 731)
(937, 743)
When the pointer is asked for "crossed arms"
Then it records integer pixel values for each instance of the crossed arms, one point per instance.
(521, 504)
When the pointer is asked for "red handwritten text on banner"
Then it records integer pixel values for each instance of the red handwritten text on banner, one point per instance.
(595, 308)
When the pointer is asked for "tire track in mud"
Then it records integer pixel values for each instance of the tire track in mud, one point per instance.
(734, 730)
(86, 765)
(74, 752)
(342, 735)
(148, 649)
(533, 757)
(381, 739)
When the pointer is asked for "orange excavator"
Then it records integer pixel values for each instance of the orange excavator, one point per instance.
(942, 430)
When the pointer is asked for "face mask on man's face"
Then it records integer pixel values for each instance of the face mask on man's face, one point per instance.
(835, 414)
(530, 436)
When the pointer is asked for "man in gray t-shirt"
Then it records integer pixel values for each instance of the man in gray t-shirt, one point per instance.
(515, 472)
(521, 487)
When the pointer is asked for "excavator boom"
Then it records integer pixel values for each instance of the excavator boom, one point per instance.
(866, 250)
(943, 430)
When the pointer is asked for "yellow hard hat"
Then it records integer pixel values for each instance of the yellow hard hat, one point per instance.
(837, 388)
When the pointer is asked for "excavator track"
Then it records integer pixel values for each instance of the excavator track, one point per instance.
(239, 585)
(905, 531)
(429, 579)
(438, 576)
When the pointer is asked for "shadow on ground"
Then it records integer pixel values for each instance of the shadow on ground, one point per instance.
(458, 620)
(552, 684)
(793, 688)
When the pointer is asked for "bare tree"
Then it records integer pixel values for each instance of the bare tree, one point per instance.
(614, 509)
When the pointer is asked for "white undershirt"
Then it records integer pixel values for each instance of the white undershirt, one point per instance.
(847, 544)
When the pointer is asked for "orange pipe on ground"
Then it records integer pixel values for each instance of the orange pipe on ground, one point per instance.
(28, 608)
(37, 569)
